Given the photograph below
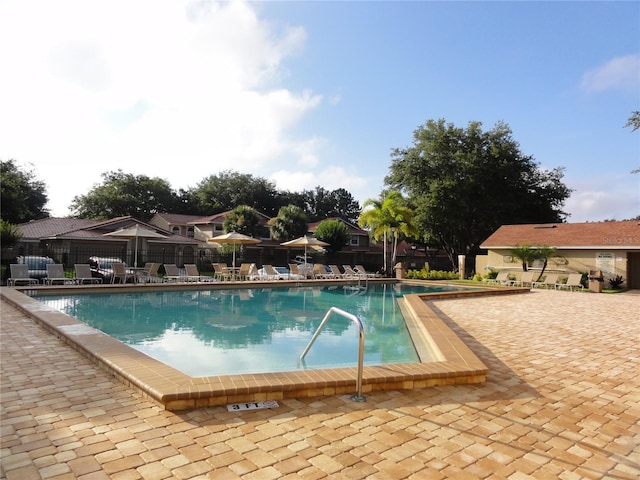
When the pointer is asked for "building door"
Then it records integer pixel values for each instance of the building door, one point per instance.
(633, 270)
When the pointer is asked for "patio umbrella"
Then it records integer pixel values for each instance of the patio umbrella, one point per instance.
(305, 242)
(135, 232)
(234, 238)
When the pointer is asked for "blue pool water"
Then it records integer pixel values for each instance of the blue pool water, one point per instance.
(257, 330)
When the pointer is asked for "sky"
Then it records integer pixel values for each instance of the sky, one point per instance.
(315, 93)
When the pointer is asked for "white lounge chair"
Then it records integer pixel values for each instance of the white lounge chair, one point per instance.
(361, 270)
(350, 272)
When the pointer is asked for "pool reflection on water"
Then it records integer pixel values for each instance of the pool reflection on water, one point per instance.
(255, 330)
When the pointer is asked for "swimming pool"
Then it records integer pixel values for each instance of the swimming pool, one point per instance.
(252, 330)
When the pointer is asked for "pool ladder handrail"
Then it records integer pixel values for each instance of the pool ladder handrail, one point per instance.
(358, 397)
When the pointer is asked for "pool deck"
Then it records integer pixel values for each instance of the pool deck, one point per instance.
(561, 400)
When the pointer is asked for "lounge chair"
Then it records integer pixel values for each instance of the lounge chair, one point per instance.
(83, 274)
(270, 273)
(526, 280)
(120, 271)
(550, 280)
(55, 274)
(574, 281)
(350, 272)
(172, 273)
(335, 271)
(193, 274)
(361, 270)
(20, 275)
(320, 272)
(149, 274)
(501, 279)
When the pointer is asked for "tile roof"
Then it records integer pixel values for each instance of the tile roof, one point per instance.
(50, 227)
(78, 228)
(608, 235)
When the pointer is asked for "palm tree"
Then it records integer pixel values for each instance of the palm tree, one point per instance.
(290, 223)
(388, 217)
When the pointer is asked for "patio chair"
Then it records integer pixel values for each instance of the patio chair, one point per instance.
(221, 272)
(244, 272)
(20, 275)
(574, 281)
(294, 272)
(83, 274)
(120, 271)
(551, 280)
(55, 274)
(172, 273)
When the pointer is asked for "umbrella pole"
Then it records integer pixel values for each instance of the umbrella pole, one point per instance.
(135, 256)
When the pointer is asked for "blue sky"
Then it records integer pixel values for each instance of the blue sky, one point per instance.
(316, 93)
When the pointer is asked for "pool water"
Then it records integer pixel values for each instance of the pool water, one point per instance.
(255, 330)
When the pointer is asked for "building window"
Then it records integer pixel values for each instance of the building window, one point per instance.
(190, 232)
(175, 230)
(354, 241)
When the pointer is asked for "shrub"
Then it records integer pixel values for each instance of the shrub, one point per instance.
(616, 282)
(426, 274)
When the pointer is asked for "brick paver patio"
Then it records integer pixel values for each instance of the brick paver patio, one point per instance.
(562, 400)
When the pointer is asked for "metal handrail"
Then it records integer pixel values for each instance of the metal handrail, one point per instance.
(358, 397)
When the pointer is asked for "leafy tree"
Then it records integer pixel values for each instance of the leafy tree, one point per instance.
(322, 203)
(389, 217)
(290, 223)
(10, 235)
(333, 232)
(123, 194)
(22, 196)
(465, 183)
(227, 190)
(243, 219)
(634, 121)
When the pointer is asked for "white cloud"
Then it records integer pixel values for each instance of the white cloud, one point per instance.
(613, 196)
(620, 73)
(178, 90)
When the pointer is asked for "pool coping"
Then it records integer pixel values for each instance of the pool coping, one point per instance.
(174, 390)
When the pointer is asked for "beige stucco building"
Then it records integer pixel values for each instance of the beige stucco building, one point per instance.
(611, 247)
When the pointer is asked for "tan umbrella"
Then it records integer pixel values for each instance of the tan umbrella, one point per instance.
(234, 238)
(135, 232)
(305, 242)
